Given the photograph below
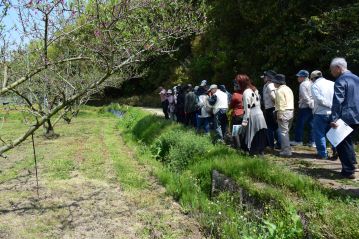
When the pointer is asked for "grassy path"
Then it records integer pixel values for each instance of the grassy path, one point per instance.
(91, 186)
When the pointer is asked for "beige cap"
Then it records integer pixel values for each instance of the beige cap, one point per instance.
(212, 87)
(316, 74)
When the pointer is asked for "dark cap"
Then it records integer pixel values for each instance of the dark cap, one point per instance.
(270, 73)
(279, 79)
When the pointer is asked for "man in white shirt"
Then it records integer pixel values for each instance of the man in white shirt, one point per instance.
(269, 103)
(322, 92)
(305, 105)
(219, 101)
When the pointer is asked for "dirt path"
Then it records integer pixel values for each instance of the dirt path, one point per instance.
(325, 171)
(91, 186)
(155, 111)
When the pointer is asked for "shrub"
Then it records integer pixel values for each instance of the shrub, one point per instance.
(179, 149)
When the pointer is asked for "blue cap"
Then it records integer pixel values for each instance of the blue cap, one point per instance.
(303, 73)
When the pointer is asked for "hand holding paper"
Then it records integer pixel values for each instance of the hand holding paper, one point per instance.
(338, 134)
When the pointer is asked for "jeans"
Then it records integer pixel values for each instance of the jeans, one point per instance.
(272, 131)
(284, 122)
(203, 123)
(220, 123)
(305, 115)
(321, 125)
(346, 153)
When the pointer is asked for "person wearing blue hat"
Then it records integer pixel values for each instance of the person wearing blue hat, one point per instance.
(305, 114)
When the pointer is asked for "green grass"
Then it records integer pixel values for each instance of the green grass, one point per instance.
(184, 165)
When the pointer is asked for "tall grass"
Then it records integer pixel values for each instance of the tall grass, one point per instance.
(292, 205)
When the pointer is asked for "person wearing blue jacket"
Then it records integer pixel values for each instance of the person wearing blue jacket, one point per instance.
(346, 107)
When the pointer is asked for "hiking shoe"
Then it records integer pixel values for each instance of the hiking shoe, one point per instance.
(333, 158)
(348, 176)
(312, 145)
(295, 143)
(320, 157)
(285, 154)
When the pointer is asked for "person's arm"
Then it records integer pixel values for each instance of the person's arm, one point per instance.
(280, 104)
(340, 88)
(306, 94)
(272, 91)
(201, 101)
(246, 107)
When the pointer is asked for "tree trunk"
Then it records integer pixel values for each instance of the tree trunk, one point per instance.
(49, 130)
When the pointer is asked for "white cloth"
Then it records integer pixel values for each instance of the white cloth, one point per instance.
(251, 99)
(269, 95)
(222, 101)
(305, 95)
(203, 103)
(253, 115)
(322, 92)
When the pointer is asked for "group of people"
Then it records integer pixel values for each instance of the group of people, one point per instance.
(265, 120)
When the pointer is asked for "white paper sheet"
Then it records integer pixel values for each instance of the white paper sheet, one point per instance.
(237, 128)
(337, 135)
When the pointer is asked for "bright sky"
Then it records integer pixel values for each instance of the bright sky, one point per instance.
(11, 32)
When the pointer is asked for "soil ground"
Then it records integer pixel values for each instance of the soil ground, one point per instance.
(90, 186)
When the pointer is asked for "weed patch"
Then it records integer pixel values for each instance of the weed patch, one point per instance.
(294, 205)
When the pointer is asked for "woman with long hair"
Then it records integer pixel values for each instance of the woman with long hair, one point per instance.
(253, 123)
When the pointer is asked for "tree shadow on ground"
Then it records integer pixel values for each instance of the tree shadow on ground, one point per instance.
(319, 173)
(34, 205)
(303, 155)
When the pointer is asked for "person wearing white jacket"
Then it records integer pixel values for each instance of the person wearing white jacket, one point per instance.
(305, 114)
(323, 92)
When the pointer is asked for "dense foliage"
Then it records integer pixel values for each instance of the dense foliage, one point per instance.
(252, 36)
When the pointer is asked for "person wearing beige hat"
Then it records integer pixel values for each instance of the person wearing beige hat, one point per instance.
(322, 92)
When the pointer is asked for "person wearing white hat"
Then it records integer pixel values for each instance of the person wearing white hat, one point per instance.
(219, 101)
(322, 91)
